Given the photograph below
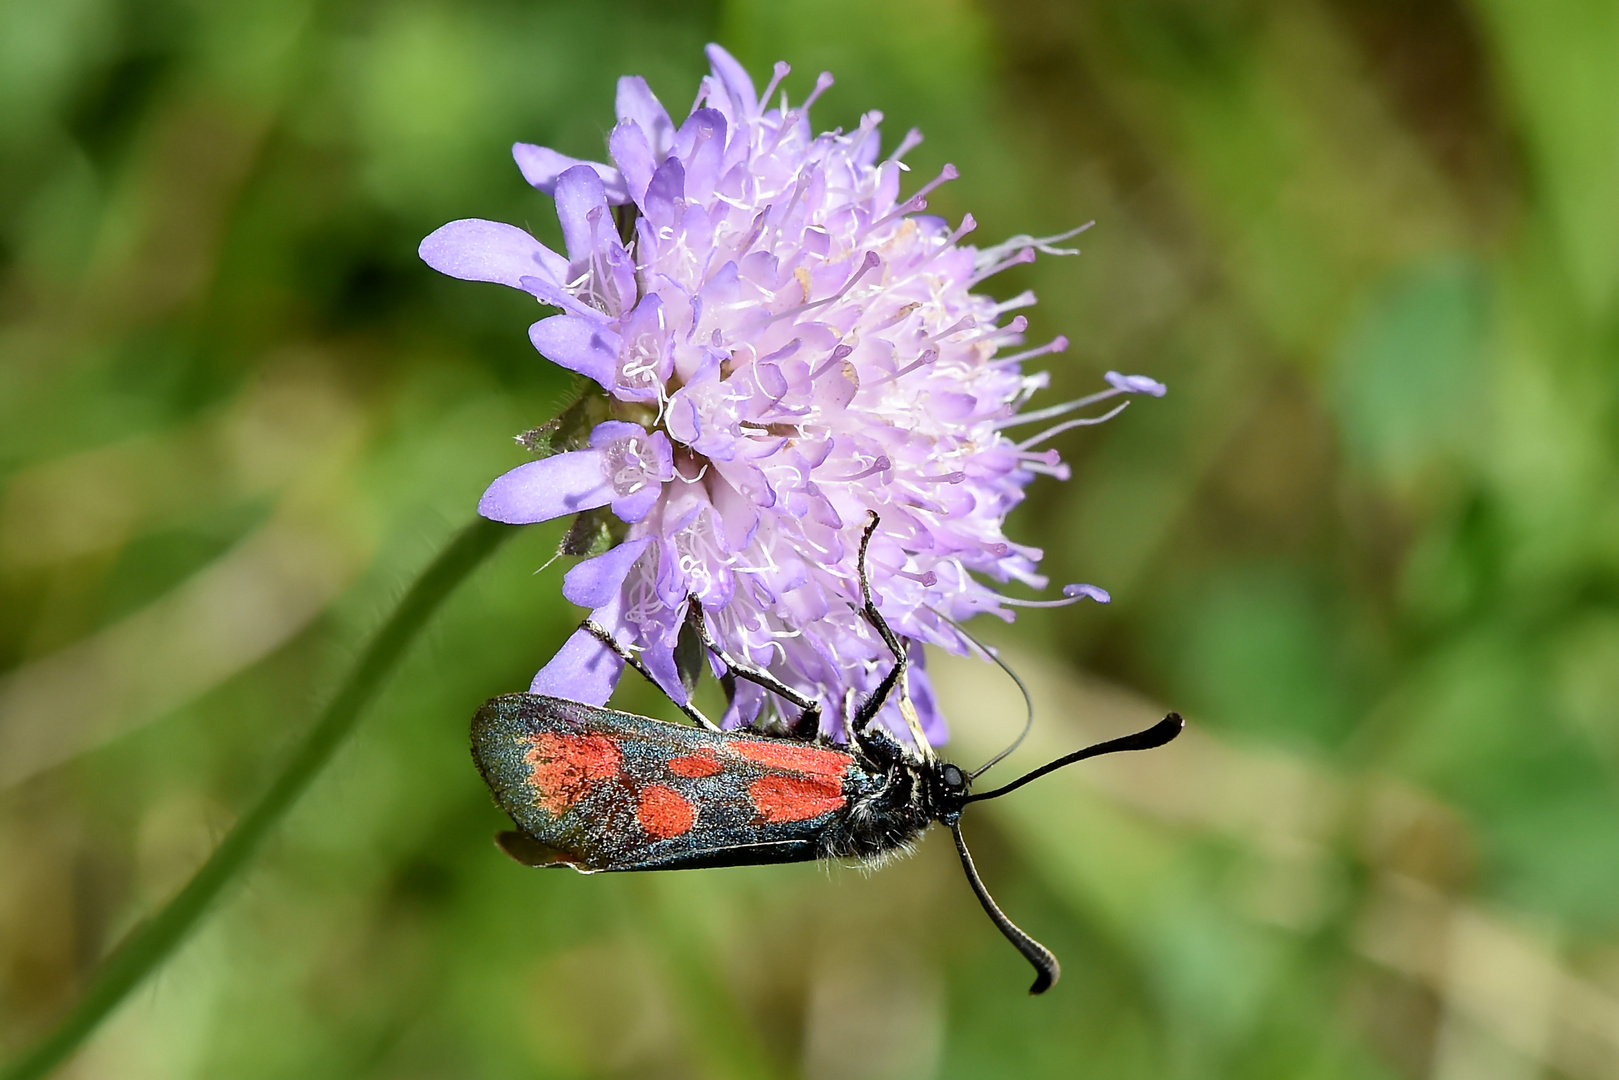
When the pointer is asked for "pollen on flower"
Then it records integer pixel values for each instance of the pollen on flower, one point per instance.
(785, 343)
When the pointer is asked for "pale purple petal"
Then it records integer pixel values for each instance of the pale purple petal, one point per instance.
(635, 157)
(541, 166)
(925, 700)
(701, 145)
(579, 344)
(637, 464)
(548, 488)
(738, 84)
(663, 191)
(646, 335)
(745, 704)
(476, 250)
(611, 431)
(549, 292)
(637, 102)
(583, 670)
(619, 281)
(582, 210)
(636, 505)
(663, 457)
(738, 513)
(659, 659)
(594, 582)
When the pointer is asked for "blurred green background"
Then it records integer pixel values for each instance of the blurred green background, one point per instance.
(1369, 544)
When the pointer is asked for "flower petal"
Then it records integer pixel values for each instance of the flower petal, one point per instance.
(660, 661)
(637, 102)
(659, 634)
(477, 250)
(595, 582)
(541, 166)
(583, 670)
(608, 432)
(579, 344)
(647, 357)
(701, 145)
(667, 186)
(637, 464)
(746, 702)
(636, 505)
(739, 515)
(738, 84)
(582, 210)
(548, 488)
(635, 157)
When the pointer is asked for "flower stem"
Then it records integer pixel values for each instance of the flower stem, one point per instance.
(151, 943)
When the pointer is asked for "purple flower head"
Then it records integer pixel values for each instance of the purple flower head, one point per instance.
(783, 344)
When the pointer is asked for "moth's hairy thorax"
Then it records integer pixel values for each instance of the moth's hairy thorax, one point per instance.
(890, 805)
(885, 816)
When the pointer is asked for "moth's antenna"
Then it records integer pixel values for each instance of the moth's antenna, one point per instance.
(1157, 735)
(1028, 700)
(1046, 969)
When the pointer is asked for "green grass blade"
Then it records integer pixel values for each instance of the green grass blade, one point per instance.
(151, 943)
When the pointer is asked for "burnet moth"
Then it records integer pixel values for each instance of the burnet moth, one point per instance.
(599, 790)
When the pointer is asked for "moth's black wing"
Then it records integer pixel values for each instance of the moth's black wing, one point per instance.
(530, 852)
(601, 790)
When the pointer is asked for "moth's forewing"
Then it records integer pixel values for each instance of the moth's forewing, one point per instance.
(606, 790)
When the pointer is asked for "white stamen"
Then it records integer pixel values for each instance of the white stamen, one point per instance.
(1056, 410)
(1024, 256)
(1021, 300)
(1084, 421)
(1055, 345)
(989, 255)
(1072, 594)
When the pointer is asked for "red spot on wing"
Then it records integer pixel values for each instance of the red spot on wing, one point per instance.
(563, 767)
(663, 812)
(793, 798)
(791, 757)
(702, 763)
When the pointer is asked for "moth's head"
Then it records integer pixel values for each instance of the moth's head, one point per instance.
(948, 786)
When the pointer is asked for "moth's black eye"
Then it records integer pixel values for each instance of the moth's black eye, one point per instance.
(952, 778)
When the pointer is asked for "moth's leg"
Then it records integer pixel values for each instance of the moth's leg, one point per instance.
(601, 633)
(847, 717)
(810, 709)
(879, 697)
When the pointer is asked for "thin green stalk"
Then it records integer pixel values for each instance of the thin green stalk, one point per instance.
(151, 943)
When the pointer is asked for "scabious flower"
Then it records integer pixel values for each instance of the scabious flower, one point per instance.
(784, 345)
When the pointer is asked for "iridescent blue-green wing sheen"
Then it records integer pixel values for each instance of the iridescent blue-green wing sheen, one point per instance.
(597, 789)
